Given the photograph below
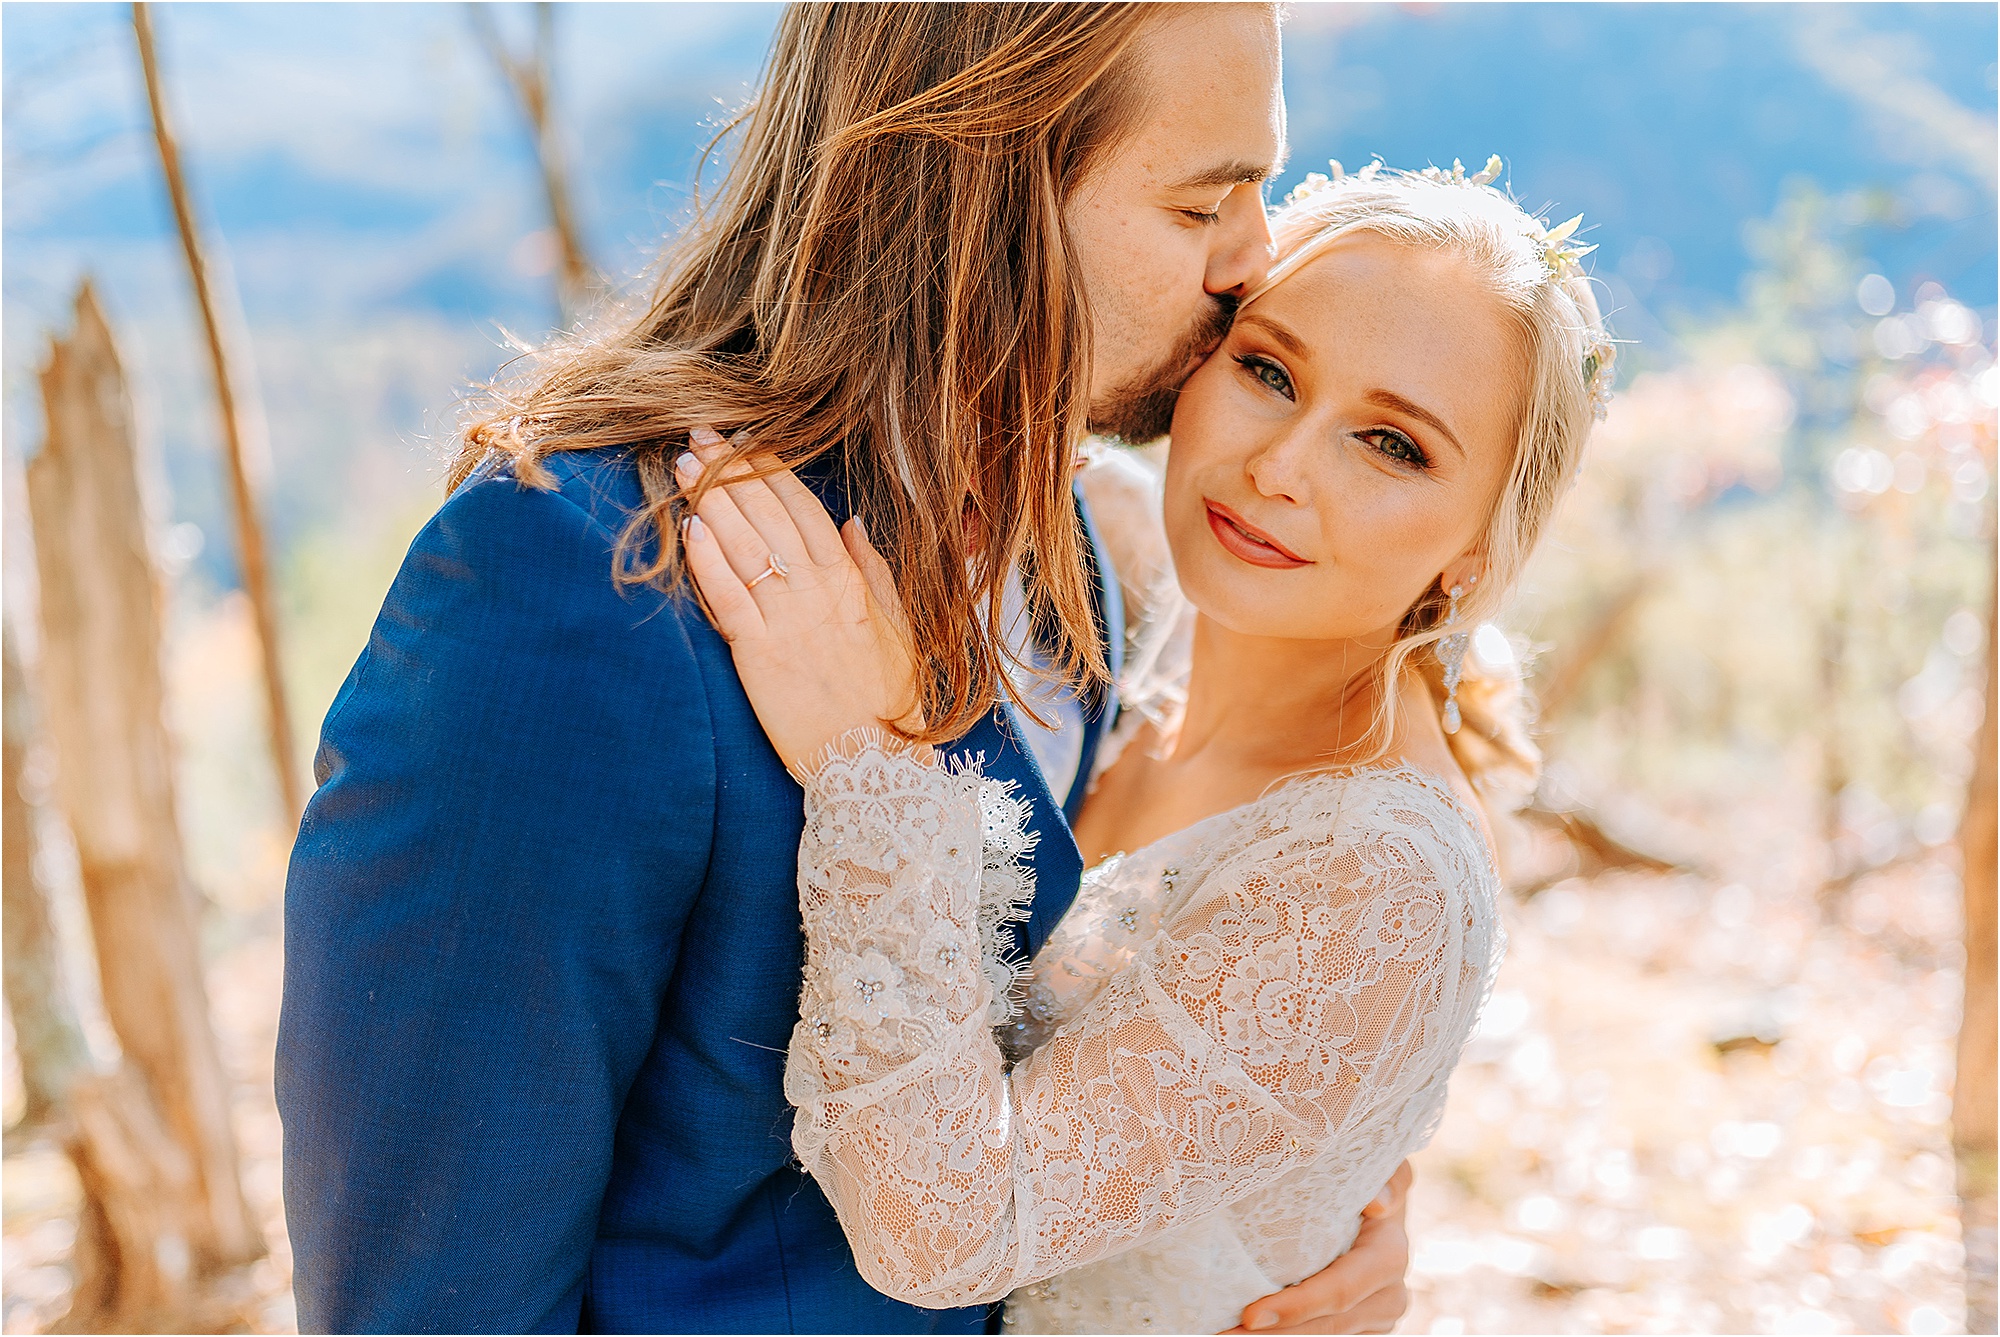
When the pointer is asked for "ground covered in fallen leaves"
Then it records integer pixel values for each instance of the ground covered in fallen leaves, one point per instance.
(1699, 1105)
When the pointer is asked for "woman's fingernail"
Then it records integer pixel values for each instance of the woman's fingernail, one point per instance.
(695, 528)
(861, 526)
(687, 466)
(1261, 1321)
(705, 436)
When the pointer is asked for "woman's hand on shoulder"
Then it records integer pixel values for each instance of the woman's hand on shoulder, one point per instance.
(810, 611)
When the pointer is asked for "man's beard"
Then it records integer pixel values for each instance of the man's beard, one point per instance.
(1142, 409)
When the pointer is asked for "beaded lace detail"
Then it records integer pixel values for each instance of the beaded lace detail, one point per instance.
(1230, 1040)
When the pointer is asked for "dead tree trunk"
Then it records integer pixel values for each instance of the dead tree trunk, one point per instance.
(232, 392)
(1973, 1098)
(531, 79)
(131, 1261)
(104, 698)
(47, 1038)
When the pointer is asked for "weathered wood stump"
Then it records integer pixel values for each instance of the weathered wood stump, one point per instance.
(103, 699)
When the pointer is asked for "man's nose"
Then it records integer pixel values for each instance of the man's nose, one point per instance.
(1243, 249)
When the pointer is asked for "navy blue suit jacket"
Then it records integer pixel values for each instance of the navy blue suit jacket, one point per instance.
(542, 954)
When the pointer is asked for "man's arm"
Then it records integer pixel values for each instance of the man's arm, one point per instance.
(1362, 1290)
(482, 915)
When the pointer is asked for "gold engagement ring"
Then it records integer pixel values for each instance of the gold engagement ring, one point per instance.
(775, 567)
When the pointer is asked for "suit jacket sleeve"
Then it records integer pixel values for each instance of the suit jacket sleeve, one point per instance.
(482, 915)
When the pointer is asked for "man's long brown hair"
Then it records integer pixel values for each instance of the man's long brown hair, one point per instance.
(884, 273)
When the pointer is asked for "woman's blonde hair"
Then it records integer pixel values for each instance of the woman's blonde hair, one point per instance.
(1535, 275)
(886, 275)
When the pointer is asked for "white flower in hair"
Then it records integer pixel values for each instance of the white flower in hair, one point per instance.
(1313, 184)
(1485, 176)
(1557, 253)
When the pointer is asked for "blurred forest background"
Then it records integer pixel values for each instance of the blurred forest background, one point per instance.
(1714, 1089)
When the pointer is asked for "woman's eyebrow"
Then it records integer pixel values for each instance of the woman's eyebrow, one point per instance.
(1389, 399)
(1280, 336)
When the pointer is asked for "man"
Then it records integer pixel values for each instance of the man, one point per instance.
(543, 943)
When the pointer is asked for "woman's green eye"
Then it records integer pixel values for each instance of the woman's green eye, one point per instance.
(1270, 373)
(1398, 447)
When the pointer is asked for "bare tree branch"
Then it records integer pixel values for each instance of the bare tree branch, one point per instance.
(233, 396)
(577, 279)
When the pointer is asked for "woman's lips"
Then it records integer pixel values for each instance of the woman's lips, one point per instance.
(1244, 540)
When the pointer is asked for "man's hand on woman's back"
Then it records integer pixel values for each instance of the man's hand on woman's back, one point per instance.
(1363, 1289)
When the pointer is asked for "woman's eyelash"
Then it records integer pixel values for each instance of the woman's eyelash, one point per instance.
(1270, 374)
(1206, 217)
(1397, 447)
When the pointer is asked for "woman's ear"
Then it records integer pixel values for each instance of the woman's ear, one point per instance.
(1465, 573)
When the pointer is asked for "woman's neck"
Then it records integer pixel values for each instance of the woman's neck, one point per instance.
(1275, 702)
(1258, 711)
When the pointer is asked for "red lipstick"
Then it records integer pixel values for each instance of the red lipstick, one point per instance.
(1242, 539)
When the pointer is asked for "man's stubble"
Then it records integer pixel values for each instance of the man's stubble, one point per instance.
(1142, 409)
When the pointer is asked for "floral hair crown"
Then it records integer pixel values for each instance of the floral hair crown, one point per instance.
(1562, 256)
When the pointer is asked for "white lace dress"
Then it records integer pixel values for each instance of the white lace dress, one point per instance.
(1227, 1044)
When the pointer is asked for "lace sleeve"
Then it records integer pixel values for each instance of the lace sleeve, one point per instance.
(889, 874)
(1295, 993)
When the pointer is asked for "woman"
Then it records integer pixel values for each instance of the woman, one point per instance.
(1250, 1013)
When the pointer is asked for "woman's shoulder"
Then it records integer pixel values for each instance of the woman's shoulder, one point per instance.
(1387, 813)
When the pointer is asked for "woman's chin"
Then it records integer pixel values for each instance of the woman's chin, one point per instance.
(1246, 604)
(1239, 606)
